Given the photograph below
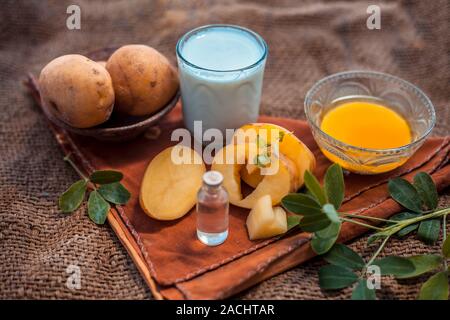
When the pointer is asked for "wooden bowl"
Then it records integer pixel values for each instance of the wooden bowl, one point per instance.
(119, 127)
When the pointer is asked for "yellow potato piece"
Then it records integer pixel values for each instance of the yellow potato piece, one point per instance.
(169, 189)
(264, 221)
(276, 185)
(290, 146)
(280, 223)
(251, 175)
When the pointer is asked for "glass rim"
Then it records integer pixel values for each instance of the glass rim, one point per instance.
(232, 26)
(370, 74)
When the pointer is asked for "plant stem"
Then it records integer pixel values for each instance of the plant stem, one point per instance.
(375, 255)
(67, 158)
(367, 217)
(362, 224)
(434, 214)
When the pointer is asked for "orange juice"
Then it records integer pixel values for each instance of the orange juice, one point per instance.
(366, 125)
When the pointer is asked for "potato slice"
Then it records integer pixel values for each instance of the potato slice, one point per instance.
(231, 171)
(290, 146)
(264, 221)
(169, 189)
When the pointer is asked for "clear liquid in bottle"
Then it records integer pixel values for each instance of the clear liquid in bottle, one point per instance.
(212, 210)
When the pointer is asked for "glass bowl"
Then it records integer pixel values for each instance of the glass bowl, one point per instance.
(395, 93)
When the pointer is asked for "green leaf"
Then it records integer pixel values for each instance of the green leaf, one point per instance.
(446, 247)
(115, 193)
(426, 188)
(362, 291)
(299, 203)
(407, 230)
(334, 185)
(429, 231)
(106, 176)
(343, 256)
(405, 216)
(324, 239)
(314, 187)
(292, 221)
(331, 213)
(435, 288)
(72, 198)
(98, 208)
(335, 277)
(422, 264)
(396, 266)
(313, 223)
(404, 193)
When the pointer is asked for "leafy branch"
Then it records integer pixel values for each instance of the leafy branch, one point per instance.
(105, 189)
(317, 212)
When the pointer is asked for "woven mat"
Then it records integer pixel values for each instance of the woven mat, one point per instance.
(307, 41)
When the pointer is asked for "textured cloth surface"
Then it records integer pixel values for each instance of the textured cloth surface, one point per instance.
(307, 40)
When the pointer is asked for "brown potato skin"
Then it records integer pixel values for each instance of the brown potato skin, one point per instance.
(77, 90)
(143, 79)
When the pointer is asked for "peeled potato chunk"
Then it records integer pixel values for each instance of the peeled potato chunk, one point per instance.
(264, 221)
(290, 146)
(175, 173)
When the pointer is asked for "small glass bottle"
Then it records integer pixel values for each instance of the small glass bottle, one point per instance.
(212, 210)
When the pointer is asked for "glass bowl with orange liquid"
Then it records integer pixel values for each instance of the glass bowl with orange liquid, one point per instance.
(368, 122)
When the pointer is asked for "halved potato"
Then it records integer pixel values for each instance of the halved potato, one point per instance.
(264, 221)
(276, 185)
(165, 180)
(290, 146)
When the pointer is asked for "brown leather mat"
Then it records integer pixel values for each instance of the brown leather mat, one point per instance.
(184, 268)
(307, 41)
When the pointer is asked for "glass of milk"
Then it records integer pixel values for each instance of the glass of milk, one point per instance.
(221, 71)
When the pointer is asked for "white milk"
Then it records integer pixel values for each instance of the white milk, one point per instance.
(221, 73)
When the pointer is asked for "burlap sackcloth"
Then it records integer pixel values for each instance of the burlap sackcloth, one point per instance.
(39, 246)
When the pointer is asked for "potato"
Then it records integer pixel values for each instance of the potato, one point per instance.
(264, 221)
(169, 190)
(290, 146)
(102, 63)
(77, 90)
(251, 175)
(277, 185)
(143, 79)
